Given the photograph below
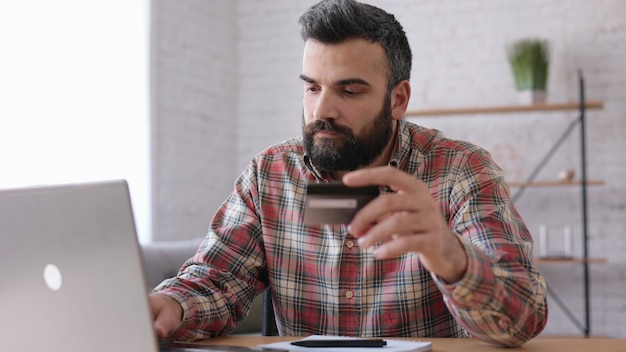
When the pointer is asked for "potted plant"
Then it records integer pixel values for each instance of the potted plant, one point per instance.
(529, 59)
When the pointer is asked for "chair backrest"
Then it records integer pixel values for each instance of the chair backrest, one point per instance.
(268, 325)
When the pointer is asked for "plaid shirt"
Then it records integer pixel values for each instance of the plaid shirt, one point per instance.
(322, 282)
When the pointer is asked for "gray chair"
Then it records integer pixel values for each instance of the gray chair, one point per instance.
(268, 325)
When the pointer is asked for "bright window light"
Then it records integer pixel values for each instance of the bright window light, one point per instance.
(74, 95)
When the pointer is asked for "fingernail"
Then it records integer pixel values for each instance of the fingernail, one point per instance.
(362, 242)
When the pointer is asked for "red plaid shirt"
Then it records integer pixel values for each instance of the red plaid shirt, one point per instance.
(322, 282)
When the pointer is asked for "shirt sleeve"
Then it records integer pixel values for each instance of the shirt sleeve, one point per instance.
(501, 298)
(217, 285)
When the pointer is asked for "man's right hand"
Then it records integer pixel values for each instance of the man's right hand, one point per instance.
(167, 314)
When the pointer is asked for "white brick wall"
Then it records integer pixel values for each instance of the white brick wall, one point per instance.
(194, 115)
(270, 57)
(459, 60)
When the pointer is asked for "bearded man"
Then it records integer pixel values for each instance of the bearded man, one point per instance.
(442, 252)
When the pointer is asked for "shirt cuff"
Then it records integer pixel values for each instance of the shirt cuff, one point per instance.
(475, 288)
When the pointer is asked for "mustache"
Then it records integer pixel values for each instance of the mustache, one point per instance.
(327, 125)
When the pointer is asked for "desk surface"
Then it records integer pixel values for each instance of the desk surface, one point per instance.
(538, 344)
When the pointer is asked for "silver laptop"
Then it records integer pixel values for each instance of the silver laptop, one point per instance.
(71, 273)
(71, 276)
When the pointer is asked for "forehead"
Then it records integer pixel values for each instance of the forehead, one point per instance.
(354, 58)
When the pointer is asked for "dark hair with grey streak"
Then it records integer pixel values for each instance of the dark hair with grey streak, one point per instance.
(334, 21)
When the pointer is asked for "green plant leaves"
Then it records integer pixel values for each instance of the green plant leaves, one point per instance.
(529, 59)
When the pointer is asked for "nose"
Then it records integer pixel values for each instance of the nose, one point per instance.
(325, 106)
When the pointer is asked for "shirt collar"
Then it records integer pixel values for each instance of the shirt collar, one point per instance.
(402, 149)
(309, 165)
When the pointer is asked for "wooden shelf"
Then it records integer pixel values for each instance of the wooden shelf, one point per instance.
(569, 260)
(555, 183)
(503, 109)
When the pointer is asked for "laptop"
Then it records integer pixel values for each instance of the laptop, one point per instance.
(71, 275)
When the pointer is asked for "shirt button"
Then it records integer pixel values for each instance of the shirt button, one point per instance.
(349, 294)
(350, 244)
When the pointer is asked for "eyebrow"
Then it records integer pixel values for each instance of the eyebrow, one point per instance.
(341, 82)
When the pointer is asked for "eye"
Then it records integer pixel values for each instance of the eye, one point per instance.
(311, 89)
(352, 90)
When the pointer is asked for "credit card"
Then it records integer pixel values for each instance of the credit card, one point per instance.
(335, 203)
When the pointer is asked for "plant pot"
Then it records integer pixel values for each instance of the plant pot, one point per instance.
(531, 97)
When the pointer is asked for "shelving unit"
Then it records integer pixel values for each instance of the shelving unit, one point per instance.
(504, 109)
(555, 183)
(582, 106)
(570, 261)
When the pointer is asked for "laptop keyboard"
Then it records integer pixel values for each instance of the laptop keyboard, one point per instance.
(198, 347)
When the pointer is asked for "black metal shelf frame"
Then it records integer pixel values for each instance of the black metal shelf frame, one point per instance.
(585, 327)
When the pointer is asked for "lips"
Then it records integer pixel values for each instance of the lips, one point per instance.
(326, 133)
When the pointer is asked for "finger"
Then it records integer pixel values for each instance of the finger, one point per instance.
(399, 245)
(382, 208)
(398, 224)
(161, 331)
(160, 324)
(384, 175)
(165, 323)
(165, 315)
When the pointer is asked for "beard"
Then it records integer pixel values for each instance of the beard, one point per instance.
(348, 152)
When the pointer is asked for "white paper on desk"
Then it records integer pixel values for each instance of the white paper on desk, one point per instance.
(392, 345)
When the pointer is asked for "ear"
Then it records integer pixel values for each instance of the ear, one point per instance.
(400, 96)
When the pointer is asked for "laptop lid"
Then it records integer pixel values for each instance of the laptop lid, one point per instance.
(71, 276)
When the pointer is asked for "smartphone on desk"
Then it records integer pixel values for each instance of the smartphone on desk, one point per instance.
(335, 203)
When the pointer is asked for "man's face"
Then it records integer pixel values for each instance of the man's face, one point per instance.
(347, 119)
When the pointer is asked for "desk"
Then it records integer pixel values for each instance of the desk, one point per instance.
(539, 344)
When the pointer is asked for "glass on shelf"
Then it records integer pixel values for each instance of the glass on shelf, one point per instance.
(555, 241)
